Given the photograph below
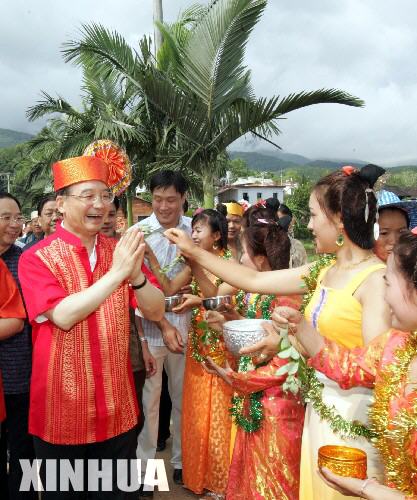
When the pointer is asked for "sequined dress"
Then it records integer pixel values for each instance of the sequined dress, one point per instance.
(266, 463)
(383, 364)
(206, 422)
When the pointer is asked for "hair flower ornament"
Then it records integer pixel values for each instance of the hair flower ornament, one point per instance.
(348, 169)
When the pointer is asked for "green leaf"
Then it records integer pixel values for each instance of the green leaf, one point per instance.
(282, 370)
(285, 354)
(293, 368)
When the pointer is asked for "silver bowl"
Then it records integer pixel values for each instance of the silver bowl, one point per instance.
(243, 333)
(172, 301)
(217, 303)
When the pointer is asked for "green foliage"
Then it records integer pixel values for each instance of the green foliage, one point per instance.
(298, 202)
(402, 177)
(18, 161)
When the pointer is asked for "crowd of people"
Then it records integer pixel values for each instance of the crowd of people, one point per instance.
(89, 343)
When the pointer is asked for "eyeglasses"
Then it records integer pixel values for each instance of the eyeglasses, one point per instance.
(19, 219)
(89, 199)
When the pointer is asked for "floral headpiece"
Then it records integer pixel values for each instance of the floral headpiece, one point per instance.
(119, 166)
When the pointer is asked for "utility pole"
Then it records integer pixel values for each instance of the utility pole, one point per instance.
(158, 15)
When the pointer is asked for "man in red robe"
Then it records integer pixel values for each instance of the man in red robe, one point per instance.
(77, 285)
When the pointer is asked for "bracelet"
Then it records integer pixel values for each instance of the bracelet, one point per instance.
(138, 287)
(143, 339)
(365, 484)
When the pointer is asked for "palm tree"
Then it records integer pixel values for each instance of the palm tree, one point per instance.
(209, 99)
(109, 109)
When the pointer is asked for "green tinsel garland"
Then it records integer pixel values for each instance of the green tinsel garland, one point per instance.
(312, 388)
(253, 421)
(209, 336)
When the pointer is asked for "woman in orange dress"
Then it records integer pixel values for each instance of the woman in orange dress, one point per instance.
(206, 422)
(12, 314)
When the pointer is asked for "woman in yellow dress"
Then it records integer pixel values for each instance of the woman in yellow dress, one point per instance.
(343, 213)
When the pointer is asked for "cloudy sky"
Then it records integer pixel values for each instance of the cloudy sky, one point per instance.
(367, 48)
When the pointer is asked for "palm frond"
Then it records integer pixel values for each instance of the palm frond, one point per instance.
(322, 96)
(50, 105)
(185, 110)
(103, 51)
(213, 57)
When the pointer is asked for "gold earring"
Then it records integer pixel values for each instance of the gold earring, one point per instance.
(340, 240)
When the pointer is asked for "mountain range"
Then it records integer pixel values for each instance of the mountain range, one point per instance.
(10, 138)
(269, 160)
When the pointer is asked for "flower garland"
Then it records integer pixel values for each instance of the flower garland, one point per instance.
(312, 388)
(253, 421)
(394, 433)
(208, 337)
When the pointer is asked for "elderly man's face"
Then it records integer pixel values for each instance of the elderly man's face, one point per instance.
(11, 222)
(85, 207)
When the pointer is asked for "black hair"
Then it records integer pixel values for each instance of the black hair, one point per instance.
(217, 222)
(285, 222)
(405, 254)
(256, 212)
(185, 206)
(285, 210)
(221, 207)
(6, 195)
(167, 178)
(116, 202)
(62, 192)
(273, 204)
(270, 240)
(44, 201)
(344, 192)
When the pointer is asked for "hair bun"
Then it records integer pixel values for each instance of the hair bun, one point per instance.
(370, 173)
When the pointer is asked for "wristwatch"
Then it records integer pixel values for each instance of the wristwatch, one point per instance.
(141, 285)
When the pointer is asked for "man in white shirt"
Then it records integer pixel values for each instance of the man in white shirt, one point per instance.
(166, 339)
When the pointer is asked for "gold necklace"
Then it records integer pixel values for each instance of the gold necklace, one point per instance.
(347, 267)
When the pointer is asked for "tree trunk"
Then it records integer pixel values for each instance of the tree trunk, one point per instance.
(129, 206)
(208, 187)
(157, 16)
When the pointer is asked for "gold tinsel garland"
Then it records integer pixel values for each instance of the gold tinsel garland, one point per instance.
(394, 435)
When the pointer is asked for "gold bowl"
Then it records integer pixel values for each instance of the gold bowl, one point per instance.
(344, 461)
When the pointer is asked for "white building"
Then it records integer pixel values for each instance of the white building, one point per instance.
(251, 189)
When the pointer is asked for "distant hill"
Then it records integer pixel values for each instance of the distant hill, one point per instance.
(11, 137)
(276, 161)
(270, 161)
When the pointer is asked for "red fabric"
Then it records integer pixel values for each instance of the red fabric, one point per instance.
(11, 305)
(266, 463)
(82, 386)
